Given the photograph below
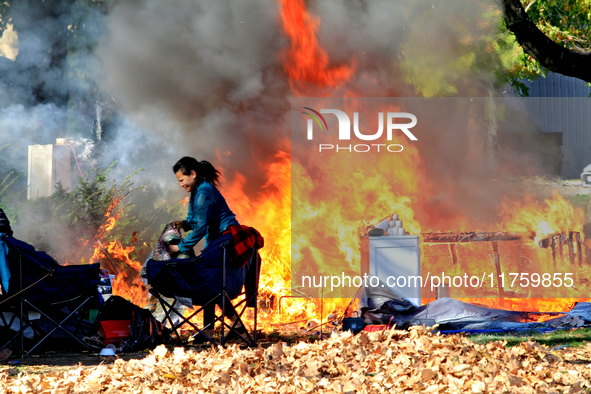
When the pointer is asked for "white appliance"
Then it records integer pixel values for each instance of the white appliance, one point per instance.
(48, 165)
(389, 257)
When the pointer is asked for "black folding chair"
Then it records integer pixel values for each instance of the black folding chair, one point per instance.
(208, 280)
(57, 293)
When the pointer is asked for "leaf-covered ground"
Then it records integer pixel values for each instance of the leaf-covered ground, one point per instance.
(389, 361)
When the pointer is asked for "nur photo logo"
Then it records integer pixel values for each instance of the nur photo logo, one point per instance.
(391, 119)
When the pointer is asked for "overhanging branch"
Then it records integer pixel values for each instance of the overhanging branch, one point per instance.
(548, 53)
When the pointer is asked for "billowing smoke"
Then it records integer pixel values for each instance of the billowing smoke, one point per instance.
(205, 77)
(35, 88)
(146, 82)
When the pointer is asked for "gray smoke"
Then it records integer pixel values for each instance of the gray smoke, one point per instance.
(203, 77)
(35, 88)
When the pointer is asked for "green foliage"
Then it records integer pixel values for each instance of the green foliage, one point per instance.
(566, 22)
(451, 50)
(91, 202)
(457, 50)
(7, 198)
(7, 182)
(64, 223)
(563, 337)
(579, 200)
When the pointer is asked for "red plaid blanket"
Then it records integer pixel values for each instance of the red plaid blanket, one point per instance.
(244, 239)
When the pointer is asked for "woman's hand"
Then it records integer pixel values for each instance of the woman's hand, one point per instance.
(173, 249)
(178, 224)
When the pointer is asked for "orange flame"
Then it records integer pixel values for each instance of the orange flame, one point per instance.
(115, 258)
(305, 61)
(554, 216)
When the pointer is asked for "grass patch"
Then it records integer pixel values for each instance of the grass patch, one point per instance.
(572, 338)
(579, 200)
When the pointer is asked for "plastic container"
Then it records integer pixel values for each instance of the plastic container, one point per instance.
(375, 327)
(107, 352)
(115, 331)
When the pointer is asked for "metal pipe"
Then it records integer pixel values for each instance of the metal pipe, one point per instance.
(321, 309)
(553, 238)
(256, 294)
(571, 251)
(223, 293)
(498, 269)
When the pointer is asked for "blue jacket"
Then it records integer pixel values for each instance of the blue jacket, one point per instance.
(208, 216)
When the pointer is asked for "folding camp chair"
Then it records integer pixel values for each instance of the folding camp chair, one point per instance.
(192, 278)
(56, 293)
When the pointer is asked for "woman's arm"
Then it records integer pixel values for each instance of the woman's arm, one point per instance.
(202, 210)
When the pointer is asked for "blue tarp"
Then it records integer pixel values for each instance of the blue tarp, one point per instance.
(457, 316)
(381, 305)
(500, 331)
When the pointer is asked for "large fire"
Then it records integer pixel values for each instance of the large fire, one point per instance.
(339, 216)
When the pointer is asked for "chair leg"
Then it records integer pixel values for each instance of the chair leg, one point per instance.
(18, 337)
(222, 299)
(58, 325)
(257, 260)
(169, 309)
(8, 325)
(256, 307)
(19, 334)
(21, 310)
(248, 339)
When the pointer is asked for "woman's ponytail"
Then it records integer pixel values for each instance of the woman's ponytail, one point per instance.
(208, 172)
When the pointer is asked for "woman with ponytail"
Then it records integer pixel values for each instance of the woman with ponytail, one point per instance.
(209, 216)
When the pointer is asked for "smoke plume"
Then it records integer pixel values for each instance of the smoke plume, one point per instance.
(147, 82)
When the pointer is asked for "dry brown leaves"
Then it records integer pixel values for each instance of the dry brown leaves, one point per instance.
(388, 361)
